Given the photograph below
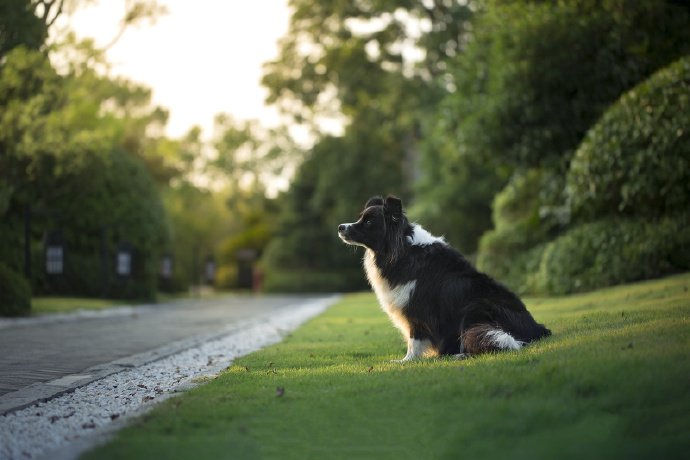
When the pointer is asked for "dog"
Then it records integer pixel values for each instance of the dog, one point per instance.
(432, 294)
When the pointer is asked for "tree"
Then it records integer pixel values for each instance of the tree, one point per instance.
(330, 187)
(19, 25)
(336, 51)
(64, 155)
(530, 120)
(536, 118)
(360, 63)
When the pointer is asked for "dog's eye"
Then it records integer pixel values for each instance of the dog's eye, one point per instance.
(368, 222)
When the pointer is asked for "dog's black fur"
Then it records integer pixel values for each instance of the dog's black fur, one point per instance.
(438, 300)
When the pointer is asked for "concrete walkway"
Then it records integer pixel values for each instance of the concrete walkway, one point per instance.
(44, 357)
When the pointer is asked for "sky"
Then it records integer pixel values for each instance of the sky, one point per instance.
(202, 58)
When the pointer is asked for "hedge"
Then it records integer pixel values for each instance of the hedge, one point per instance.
(527, 215)
(636, 160)
(614, 251)
(15, 295)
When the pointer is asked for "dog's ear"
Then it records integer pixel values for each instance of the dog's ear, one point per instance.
(393, 206)
(374, 201)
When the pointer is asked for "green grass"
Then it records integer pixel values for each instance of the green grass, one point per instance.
(44, 305)
(612, 382)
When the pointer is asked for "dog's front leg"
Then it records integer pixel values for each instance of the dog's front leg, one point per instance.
(416, 348)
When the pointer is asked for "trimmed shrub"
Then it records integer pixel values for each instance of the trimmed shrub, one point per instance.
(512, 267)
(614, 251)
(636, 160)
(108, 198)
(526, 216)
(539, 99)
(15, 293)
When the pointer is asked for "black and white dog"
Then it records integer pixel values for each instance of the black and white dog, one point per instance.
(438, 300)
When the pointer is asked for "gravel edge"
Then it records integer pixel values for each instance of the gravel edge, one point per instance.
(98, 405)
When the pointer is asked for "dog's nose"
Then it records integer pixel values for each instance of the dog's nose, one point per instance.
(342, 227)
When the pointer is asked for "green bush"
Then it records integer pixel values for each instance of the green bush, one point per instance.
(614, 251)
(526, 215)
(79, 169)
(521, 102)
(454, 191)
(636, 159)
(554, 67)
(306, 250)
(500, 257)
(15, 293)
(107, 198)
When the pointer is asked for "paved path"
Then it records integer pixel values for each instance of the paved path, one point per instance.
(36, 351)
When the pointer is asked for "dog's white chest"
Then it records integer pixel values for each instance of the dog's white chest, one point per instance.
(392, 300)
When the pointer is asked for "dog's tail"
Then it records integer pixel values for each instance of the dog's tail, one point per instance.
(493, 329)
(482, 338)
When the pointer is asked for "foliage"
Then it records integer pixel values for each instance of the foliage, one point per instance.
(503, 114)
(340, 56)
(511, 111)
(500, 257)
(15, 295)
(118, 204)
(253, 227)
(636, 160)
(249, 156)
(20, 26)
(534, 117)
(610, 383)
(75, 165)
(511, 251)
(50, 305)
(85, 152)
(458, 180)
(314, 280)
(614, 251)
(454, 191)
(198, 221)
(628, 188)
(349, 62)
(330, 187)
(250, 159)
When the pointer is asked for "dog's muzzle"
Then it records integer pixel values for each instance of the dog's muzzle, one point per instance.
(343, 231)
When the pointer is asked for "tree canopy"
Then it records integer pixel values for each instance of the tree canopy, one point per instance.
(471, 111)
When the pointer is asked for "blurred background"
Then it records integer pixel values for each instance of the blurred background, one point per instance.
(151, 146)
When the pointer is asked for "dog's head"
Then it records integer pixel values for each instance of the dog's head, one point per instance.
(381, 227)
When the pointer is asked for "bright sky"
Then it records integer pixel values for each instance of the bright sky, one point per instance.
(202, 58)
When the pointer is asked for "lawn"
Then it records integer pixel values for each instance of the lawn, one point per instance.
(48, 304)
(612, 382)
(44, 305)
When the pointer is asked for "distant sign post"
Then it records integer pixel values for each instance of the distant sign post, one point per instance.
(210, 270)
(54, 253)
(166, 267)
(123, 261)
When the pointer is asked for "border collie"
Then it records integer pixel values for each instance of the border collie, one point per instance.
(438, 300)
